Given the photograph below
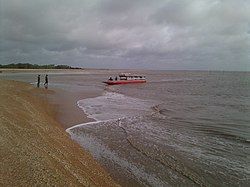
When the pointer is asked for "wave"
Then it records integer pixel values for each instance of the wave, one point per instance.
(112, 105)
(129, 116)
(112, 108)
(115, 108)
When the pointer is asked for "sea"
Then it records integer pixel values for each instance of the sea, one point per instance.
(181, 128)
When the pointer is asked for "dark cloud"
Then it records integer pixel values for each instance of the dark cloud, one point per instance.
(160, 34)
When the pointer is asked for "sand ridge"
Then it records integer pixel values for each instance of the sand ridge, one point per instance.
(35, 149)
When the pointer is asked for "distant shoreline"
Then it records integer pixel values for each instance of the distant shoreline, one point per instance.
(16, 70)
(36, 66)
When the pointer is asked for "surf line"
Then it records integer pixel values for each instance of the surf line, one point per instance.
(95, 123)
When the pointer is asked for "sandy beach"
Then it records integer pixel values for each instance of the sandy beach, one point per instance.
(35, 149)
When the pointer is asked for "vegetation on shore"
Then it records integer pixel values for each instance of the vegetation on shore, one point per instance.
(36, 66)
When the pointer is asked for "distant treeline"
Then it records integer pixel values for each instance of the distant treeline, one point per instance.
(35, 66)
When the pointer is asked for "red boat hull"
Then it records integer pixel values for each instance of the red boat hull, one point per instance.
(124, 82)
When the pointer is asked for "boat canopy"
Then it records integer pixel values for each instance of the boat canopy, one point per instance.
(126, 76)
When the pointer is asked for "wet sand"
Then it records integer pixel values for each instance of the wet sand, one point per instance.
(67, 112)
(35, 149)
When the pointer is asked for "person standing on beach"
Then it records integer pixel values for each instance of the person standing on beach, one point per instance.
(46, 83)
(38, 81)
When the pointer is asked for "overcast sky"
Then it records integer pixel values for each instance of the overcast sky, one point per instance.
(148, 34)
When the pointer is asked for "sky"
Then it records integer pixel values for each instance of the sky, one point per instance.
(133, 34)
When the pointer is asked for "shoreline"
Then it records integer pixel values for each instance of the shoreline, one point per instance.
(36, 149)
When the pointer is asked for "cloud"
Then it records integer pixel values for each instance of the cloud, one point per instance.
(160, 34)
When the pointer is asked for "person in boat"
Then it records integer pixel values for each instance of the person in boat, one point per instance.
(110, 78)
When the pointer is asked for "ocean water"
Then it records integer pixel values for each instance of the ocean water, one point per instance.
(181, 128)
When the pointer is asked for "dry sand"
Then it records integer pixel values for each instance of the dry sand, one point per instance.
(35, 149)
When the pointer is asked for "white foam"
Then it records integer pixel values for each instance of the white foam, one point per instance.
(112, 105)
(84, 124)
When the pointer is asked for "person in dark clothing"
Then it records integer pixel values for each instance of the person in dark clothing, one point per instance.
(46, 83)
(38, 81)
(116, 78)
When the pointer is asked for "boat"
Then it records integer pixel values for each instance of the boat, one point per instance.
(126, 78)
